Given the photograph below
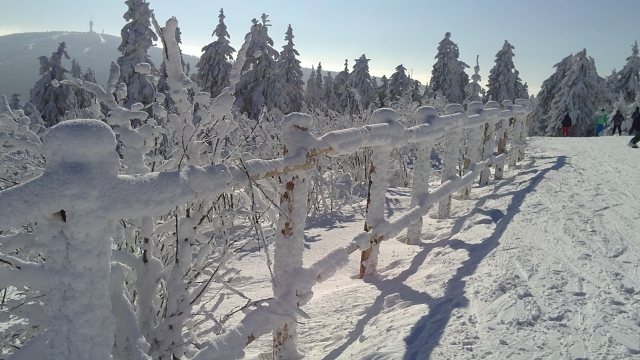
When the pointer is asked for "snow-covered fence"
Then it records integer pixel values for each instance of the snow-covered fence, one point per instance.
(384, 134)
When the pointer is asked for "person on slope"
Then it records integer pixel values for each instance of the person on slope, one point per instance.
(601, 122)
(635, 126)
(566, 125)
(617, 120)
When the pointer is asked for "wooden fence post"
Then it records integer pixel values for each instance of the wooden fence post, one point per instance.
(450, 158)
(488, 146)
(515, 142)
(472, 146)
(289, 241)
(421, 172)
(378, 180)
(502, 130)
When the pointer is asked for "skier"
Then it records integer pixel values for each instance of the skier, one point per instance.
(635, 126)
(566, 124)
(601, 122)
(617, 120)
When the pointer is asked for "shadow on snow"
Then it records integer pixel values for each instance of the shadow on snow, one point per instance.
(426, 333)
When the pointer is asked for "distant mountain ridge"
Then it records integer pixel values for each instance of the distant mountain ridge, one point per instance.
(19, 55)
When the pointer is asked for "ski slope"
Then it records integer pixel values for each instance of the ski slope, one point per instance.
(543, 264)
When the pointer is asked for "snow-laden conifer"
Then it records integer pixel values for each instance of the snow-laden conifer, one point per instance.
(14, 103)
(291, 72)
(261, 85)
(628, 81)
(473, 89)
(341, 79)
(549, 89)
(504, 83)
(360, 81)
(214, 67)
(329, 96)
(51, 101)
(399, 82)
(319, 81)
(311, 94)
(580, 96)
(382, 91)
(447, 75)
(84, 99)
(137, 38)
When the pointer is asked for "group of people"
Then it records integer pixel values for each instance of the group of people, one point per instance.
(601, 122)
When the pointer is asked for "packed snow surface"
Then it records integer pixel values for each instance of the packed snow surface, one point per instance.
(540, 265)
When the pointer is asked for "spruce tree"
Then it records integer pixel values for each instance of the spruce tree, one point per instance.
(340, 80)
(53, 101)
(311, 94)
(292, 72)
(319, 82)
(473, 90)
(549, 89)
(329, 96)
(14, 103)
(137, 38)
(360, 81)
(261, 86)
(580, 96)
(399, 83)
(628, 81)
(214, 67)
(504, 83)
(448, 76)
(84, 99)
(382, 91)
(415, 91)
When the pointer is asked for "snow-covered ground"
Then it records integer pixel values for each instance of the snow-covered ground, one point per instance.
(541, 265)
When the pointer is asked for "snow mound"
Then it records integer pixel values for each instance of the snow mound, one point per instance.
(85, 140)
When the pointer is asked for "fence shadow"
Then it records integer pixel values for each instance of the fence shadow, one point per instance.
(428, 330)
(426, 333)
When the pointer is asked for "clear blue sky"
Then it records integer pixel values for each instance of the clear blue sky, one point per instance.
(389, 32)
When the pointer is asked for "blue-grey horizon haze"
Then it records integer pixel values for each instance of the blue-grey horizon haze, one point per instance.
(388, 32)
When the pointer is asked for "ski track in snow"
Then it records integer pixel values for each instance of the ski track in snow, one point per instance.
(541, 265)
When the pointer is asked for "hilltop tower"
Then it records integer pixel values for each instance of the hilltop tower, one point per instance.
(91, 24)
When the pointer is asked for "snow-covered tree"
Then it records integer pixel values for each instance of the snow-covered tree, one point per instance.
(340, 80)
(522, 90)
(549, 89)
(473, 90)
(382, 91)
(504, 83)
(399, 82)
(14, 103)
(214, 67)
(415, 91)
(360, 80)
(84, 99)
(580, 96)
(291, 72)
(319, 81)
(261, 86)
(447, 75)
(52, 101)
(330, 98)
(628, 81)
(137, 38)
(311, 94)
